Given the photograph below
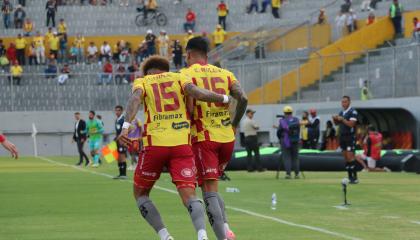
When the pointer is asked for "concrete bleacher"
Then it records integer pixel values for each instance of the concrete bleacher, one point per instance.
(378, 69)
(115, 20)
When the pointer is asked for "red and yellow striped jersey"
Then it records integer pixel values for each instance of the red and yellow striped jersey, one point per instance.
(211, 121)
(167, 122)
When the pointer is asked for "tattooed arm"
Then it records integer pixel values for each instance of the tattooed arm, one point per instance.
(133, 106)
(242, 102)
(202, 94)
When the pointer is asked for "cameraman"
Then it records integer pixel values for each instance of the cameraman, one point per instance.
(288, 133)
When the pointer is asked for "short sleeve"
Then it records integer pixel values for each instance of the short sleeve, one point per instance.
(138, 84)
(353, 116)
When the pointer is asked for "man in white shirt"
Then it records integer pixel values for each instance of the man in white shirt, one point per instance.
(92, 51)
(250, 128)
(106, 52)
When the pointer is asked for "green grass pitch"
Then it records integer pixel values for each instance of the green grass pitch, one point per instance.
(45, 201)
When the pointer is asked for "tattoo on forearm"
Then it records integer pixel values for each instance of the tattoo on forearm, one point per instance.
(237, 93)
(202, 94)
(133, 105)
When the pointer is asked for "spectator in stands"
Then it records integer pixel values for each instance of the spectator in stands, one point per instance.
(4, 63)
(49, 34)
(351, 21)
(222, 12)
(11, 53)
(80, 45)
(106, 74)
(73, 53)
(416, 30)
(124, 52)
(6, 10)
(188, 37)
(19, 16)
(32, 54)
(253, 5)
(105, 51)
(20, 43)
(373, 4)
(51, 69)
(321, 17)
(345, 7)
(151, 43)
(116, 51)
(340, 22)
(371, 19)
(163, 41)
(64, 74)
(28, 27)
(54, 43)
(62, 27)
(264, 5)
(132, 69)
(395, 13)
(190, 18)
(219, 36)
(92, 51)
(63, 49)
(51, 8)
(2, 48)
(120, 74)
(275, 8)
(141, 52)
(124, 2)
(177, 54)
(365, 6)
(15, 73)
(365, 93)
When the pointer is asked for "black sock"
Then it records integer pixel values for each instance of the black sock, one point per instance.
(123, 169)
(349, 173)
(120, 167)
(354, 169)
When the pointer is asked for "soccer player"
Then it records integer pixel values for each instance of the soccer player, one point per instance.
(372, 151)
(346, 121)
(9, 146)
(166, 139)
(94, 130)
(122, 150)
(213, 133)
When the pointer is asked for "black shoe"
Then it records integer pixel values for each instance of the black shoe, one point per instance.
(120, 177)
(288, 176)
(297, 176)
(224, 177)
(354, 181)
(261, 169)
(251, 170)
(87, 163)
(79, 164)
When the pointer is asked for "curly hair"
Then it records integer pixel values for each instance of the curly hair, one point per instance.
(155, 62)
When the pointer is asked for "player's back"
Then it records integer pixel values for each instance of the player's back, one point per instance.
(211, 121)
(166, 119)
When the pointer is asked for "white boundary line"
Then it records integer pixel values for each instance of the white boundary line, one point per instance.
(254, 214)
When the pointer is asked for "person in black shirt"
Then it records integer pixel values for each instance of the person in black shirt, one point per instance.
(313, 129)
(79, 136)
(51, 8)
(122, 151)
(346, 121)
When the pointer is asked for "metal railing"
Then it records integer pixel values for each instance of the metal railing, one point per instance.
(389, 73)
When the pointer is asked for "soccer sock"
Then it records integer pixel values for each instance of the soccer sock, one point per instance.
(196, 211)
(124, 168)
(222, 207)
(119, 167)
(163, 234)
(96, 159)
(151, 214)
(354, 169)
(349, 172)
(215, 214)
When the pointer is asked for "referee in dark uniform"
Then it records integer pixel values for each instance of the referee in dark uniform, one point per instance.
(346, 121)
(122, 151)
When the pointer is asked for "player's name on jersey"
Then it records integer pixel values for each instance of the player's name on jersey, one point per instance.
(171, 116)
(207, 70)
(217, 114)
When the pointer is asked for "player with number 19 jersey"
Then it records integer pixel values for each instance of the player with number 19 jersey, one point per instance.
(212, 133)
(166, 135)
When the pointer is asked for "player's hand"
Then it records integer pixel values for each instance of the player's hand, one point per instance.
(340, 119)
(123, 138)
(11, 148)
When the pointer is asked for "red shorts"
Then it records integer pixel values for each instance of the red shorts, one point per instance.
(179, 160)
(211, 159)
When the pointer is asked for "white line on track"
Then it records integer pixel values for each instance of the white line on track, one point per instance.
(254, 214)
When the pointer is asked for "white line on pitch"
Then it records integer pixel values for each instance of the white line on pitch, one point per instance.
(416, 222)
(274, 219)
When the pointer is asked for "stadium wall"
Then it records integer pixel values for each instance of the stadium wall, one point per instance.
(55, 128)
